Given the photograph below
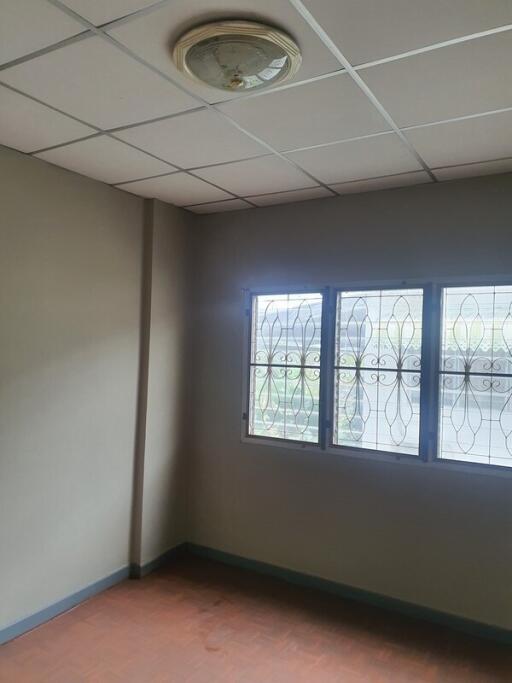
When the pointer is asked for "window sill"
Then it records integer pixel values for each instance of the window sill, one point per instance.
(380, 456)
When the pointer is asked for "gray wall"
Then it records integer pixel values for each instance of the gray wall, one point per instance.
(164, 496)
(434, 537)
(70, 309)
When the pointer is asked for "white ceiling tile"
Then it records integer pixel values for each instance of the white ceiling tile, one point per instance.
(292, 196)
(366, 30)
(30, 25)
(311, 114)
(462, 79)
(256, 176)
(463, 142)
(357, 160)
(218, 207)
(100, 12)
(194, 139)
(384, 183)
(470, 170)
(27, 125)
(179, 188)
(105, 159)
(153, 35)
(98, 83)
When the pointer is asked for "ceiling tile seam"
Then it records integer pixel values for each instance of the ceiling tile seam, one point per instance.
(108, 134)
(180, 169)
(92, 125)
(309, 187)
(404, 129)
(100, 132)
(271, 194)
(146, 177)
(35, 152)
(157, 119)
(471, 163)
(122, 48)
(197, 98)
(177, 166)
(257, 156)
(136, 14)
(321, 145)
(381, 177)
(221, 201)
(342, 182)
(329, 43)
(271, 149)
(49, 48)
(456, 119)
(434, 46)
(227, 163)
(131, 16)
(50, 106)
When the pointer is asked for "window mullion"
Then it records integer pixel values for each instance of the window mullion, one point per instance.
(326, 364)
(430, 399)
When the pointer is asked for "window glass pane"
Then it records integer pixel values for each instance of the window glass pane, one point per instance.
(378, 370)
(285, 366)
(476, 375)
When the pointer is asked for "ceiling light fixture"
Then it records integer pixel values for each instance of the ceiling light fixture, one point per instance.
(237, 55)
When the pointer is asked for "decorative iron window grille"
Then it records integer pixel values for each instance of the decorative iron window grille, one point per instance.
(285, 366)
(403, 372)
(475, 412)
(377, 370)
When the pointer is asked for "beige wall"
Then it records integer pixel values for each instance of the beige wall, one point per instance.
(70, 329)
(437, 538)
(163, 491)
(70, 262)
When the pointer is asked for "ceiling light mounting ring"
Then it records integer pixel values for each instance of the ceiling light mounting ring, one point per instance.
(237, 55)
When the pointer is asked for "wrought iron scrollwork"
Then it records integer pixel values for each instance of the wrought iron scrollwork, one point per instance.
(378, 369)
(476, 374)
(285, 366)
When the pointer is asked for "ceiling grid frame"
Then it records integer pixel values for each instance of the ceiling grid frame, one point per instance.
(103, 34)
(329, 43)
(346, 67)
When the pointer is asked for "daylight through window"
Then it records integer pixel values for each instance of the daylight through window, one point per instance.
(285, 366)
(421, 372)
(476, 375)
(377, 369)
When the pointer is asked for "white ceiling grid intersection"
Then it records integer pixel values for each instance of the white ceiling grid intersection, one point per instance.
(427, 99)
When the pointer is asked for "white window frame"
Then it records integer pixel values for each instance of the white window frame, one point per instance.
(431, 341)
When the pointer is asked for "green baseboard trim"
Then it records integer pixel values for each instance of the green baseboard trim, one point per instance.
(138, 571)
(28, 623)
(452, 621)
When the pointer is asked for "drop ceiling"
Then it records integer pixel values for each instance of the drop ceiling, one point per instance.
(389, 94)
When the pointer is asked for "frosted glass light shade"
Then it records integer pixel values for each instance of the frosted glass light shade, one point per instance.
(237, 55)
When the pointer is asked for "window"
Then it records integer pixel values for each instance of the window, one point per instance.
(476, 375)
(377, 370)
(404, 372)
(284, 387)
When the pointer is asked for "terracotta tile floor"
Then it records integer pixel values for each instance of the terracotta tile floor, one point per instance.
(201, 622)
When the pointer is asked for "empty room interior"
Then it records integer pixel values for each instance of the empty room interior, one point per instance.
(255, 341)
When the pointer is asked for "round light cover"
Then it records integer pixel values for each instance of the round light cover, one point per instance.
(237, 55)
